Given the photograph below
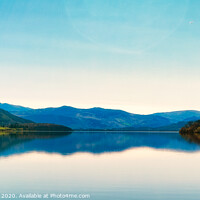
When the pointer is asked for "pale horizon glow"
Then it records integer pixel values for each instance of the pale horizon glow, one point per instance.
(88, 54)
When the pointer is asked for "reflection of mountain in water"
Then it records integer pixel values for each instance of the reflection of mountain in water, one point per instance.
(11, 140)
(94, 142)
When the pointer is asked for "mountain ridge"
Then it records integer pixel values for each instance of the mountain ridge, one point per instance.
(11, 107)
(15, 108)
(97, 118)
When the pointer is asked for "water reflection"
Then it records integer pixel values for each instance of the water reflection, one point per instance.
(93, 142)
(194, 138)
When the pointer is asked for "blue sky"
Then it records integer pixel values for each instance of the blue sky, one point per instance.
(138, 55)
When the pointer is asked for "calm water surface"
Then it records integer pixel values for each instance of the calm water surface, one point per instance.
(106, 165)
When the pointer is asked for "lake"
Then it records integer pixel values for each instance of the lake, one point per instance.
(100, 166)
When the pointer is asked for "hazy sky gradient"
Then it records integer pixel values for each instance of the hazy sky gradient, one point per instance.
(138, 55)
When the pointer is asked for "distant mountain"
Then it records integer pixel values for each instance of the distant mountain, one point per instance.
(13, 108)
(94, 118)
(177, 116)
(99, 118)
(171, 127)
(7, 118)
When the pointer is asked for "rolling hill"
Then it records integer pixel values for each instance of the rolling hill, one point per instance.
(191, 128)
(7, 118)
(12, 122)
